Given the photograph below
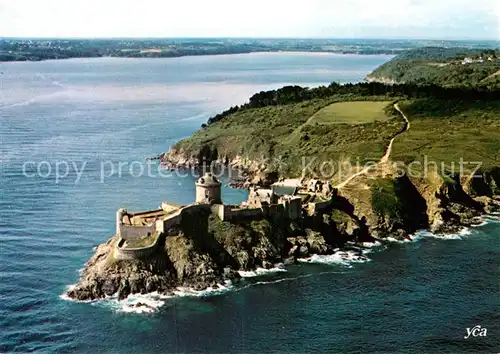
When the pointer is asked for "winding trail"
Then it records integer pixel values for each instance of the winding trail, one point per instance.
(387, 154)
(491, 76)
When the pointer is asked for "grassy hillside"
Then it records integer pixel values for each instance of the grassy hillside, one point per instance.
(283, 135)
(442, 66)
(318, 130)
(447, 131)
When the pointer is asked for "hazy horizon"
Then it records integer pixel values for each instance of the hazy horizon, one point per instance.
(319, 19)
(259, 38)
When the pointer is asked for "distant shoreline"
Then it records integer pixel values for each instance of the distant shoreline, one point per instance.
(18, 49)
(321, 53)
(208, 54)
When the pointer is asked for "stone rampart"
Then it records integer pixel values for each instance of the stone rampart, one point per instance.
(246, 213)
(129, 232)
(121, 253)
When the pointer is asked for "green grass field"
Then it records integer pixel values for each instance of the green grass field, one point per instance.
(357, 112)
(448, 131)
(284, 132)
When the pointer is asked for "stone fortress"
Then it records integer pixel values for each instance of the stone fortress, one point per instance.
(138, 234)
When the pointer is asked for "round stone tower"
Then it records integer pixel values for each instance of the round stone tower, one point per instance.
(208, 190)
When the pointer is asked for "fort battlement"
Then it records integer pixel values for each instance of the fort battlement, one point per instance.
(121, 252)
(133, 228)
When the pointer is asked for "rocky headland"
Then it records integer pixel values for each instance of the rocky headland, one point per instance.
(208, 252)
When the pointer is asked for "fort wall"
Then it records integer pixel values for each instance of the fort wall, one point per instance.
(169, 222)
(246, 213)
(121, 253)
(223, 212)
(130, 232)
(292, 207)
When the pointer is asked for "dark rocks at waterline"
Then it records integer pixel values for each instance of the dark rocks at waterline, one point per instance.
(155, 158)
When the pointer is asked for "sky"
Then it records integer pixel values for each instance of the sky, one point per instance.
(421, 19)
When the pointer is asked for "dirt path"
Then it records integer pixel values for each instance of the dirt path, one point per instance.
(387, 154)
(491, 76)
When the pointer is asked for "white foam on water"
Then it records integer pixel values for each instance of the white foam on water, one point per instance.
(406, 240)
(64, 296)
(219, 289)
(488, 219)
(274, 281)
(428, 234)
(370, 247)
(137, 303)
(342, 257)
(148, 303)
(36, 99)
(371, 244)
(465, 232)
(261, 271)
(481, 224)
(281, 280)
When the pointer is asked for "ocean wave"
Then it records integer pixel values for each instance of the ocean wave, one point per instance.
(481, 224)
(261, 271)
(150, 303)
(406, 240)
(136, 303)
(428, 234)
(342, 257)
(282, 280)
(64, 296)
(487, 219)
(370, 247)
(147, 303)
(494, 217)
(36, 99)
(421, 234)
(371, 244)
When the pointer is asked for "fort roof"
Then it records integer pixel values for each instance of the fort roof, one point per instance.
(208, 179)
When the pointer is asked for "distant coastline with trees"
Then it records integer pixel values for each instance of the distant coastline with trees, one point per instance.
(21, 49)
(447, 67)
